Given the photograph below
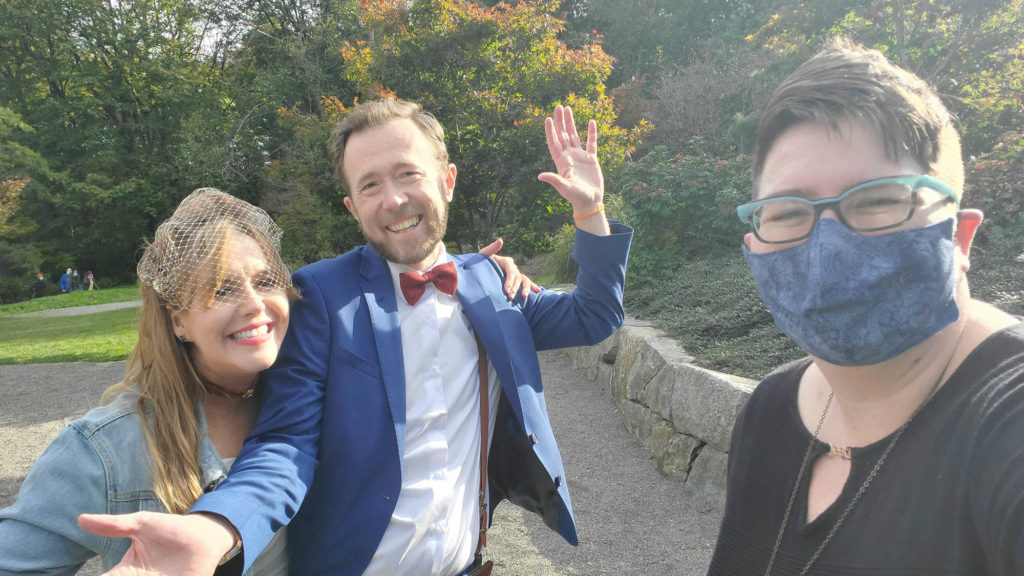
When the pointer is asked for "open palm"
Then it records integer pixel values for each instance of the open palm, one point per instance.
(579, 179)
(162, 544)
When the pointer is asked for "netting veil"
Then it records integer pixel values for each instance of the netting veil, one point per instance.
(199, 256)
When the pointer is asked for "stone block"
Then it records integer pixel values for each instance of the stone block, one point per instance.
(631, 414)
(659, 392)
(670, 350)
(661, 433)
(705, 403)
(589, 358)
(674, 458)
(706, 481)
(647, 364)
(604, 378)
(639, 420)
(631, 341)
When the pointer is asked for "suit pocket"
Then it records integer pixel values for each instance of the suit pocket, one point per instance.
(353, 361)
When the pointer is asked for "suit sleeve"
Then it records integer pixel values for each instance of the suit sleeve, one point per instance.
(39, 533)
(273, 472)
(594, 310)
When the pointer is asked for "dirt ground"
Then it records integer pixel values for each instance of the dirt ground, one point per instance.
(631, 520)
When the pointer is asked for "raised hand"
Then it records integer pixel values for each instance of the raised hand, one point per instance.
(515, 281)
(164, 544)
(579, 179)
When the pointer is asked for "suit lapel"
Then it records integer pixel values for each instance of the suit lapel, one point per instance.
(486, 310)
(379, 294)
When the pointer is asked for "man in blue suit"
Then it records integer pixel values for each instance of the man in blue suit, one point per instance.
(372, 417)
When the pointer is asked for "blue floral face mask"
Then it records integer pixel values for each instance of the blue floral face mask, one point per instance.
(856, 300)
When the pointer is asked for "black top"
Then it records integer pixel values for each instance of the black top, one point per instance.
(948, 500)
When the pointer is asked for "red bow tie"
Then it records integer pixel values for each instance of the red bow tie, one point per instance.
(444, 278)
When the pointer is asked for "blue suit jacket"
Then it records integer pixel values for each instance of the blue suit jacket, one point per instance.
(331, 431)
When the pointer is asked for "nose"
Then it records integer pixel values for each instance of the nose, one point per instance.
(394, 196)
(252, 301)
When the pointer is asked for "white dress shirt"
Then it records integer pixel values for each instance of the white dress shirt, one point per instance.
(435, 526)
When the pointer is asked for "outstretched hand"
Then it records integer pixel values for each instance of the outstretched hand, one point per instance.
(163, 544)
(579, 179)
(515, 281)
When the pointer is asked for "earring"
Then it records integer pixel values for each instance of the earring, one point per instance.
(181, 339)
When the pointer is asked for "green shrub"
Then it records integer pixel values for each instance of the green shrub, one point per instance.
(19, 265)
(686, 204)
(558, 263)
(995, 185)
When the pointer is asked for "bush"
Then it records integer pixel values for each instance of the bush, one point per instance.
(558, 262)
(19, 265)
(995, 185)
(686, 204)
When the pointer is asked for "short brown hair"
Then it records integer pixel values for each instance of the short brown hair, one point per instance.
(376, 113)
(846, 81)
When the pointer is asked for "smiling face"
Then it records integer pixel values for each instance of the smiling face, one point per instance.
(232, 343)
(399, 191)
(812, 161)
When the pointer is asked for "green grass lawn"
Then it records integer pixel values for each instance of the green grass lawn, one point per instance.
(102, 337)
(80, 298)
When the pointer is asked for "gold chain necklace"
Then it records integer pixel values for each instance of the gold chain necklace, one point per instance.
(856, 497)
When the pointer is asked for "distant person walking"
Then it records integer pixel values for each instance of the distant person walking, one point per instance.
(76, 281)
(90, 281)
(65, 282)
(39, 287)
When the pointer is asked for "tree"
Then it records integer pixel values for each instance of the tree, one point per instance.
(489, 76)
(17, 165)
(971, 51)
(105, 85)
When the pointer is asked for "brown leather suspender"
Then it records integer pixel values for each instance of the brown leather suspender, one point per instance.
(483, 568)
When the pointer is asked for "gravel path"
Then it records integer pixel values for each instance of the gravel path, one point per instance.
(79, 310)
(631, 519)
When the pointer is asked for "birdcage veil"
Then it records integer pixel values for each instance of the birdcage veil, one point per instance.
(189, 262)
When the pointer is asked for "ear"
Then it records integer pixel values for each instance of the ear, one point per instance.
(176, 324)
(351, 207)
(449, 182)
(747, 238)
(967, 225)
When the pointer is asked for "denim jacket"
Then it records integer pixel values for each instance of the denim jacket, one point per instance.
(98, 464)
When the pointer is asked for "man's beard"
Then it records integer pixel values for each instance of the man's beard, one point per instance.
(414, 255)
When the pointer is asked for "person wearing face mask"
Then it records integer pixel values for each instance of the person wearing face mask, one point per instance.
(895, 447)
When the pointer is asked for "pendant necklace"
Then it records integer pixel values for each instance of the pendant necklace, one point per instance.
(843, 452)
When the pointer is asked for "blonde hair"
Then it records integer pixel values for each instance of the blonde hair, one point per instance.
(160, 369)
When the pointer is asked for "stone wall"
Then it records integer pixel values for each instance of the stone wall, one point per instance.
(683, 413)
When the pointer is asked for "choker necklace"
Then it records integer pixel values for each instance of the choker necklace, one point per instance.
(222, 391)
(842, 452)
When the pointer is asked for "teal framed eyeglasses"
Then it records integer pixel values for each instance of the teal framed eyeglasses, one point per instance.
(871, 206)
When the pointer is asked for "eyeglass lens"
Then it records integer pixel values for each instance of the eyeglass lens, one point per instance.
(873, 207)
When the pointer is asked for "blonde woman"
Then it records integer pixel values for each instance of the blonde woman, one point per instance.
(215, 305)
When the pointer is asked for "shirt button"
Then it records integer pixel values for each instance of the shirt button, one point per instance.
(533, 439)
(558, 481)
